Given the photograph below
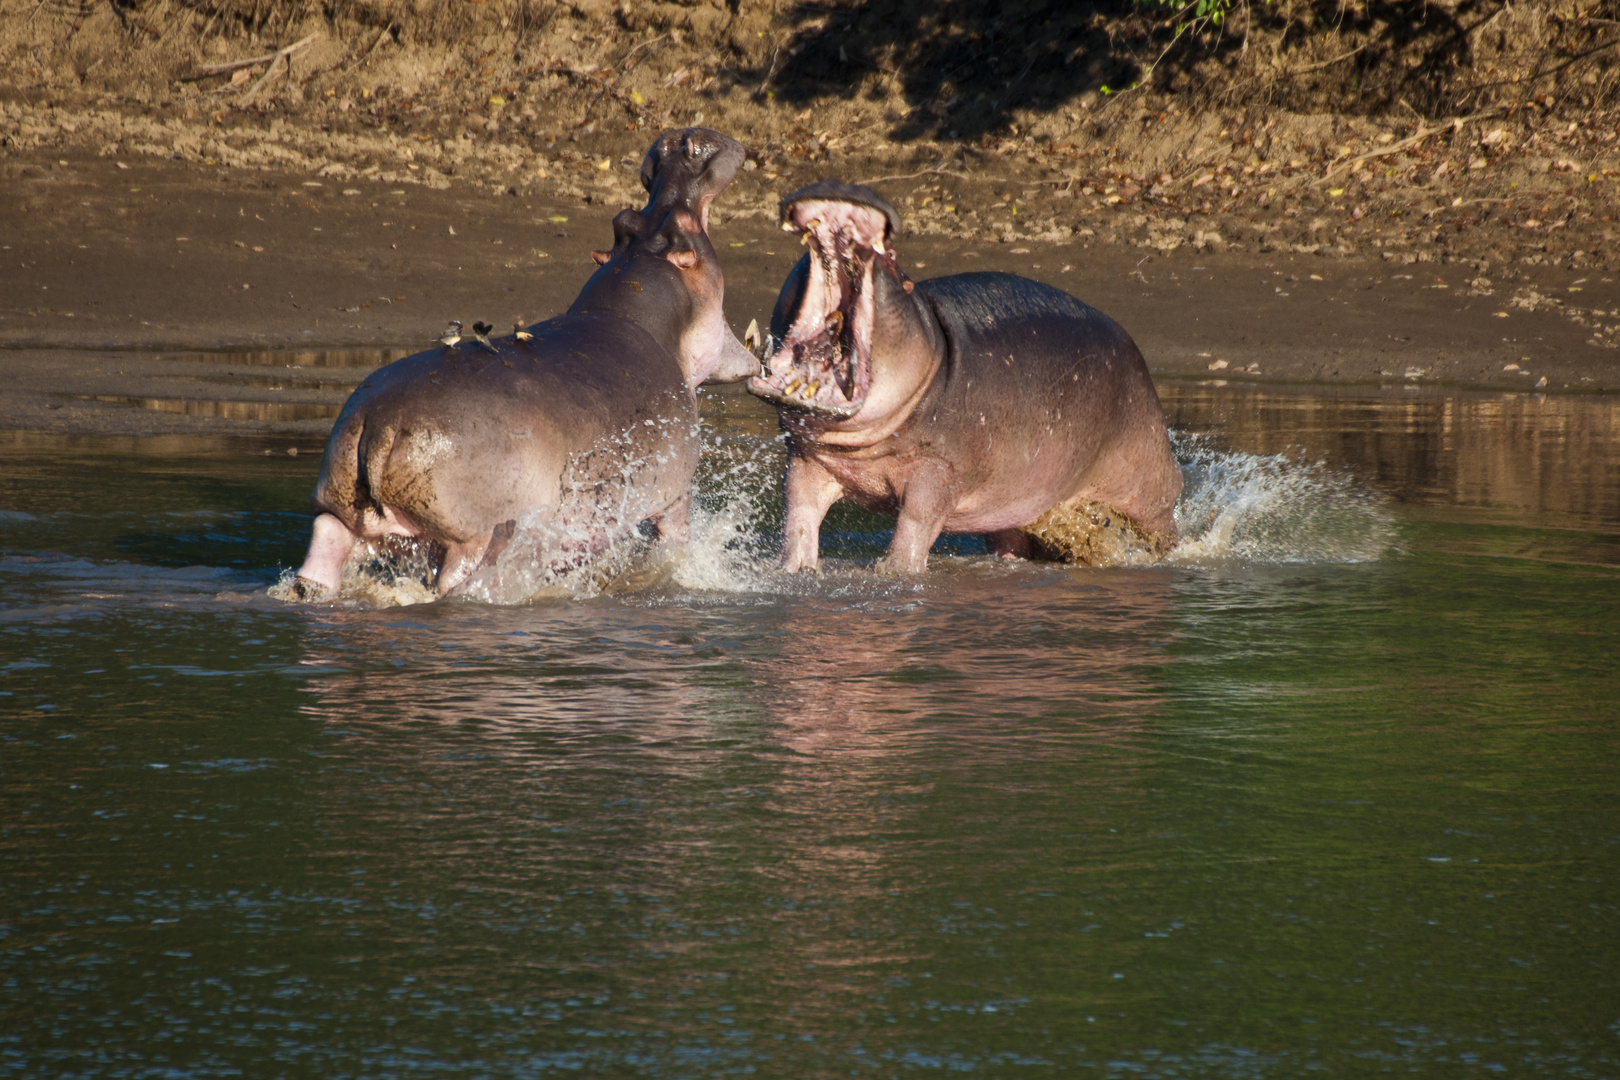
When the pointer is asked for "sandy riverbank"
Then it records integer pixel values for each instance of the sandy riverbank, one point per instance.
(111, 269)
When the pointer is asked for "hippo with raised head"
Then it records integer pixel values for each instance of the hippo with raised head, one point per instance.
(586, 423)
(976, 403)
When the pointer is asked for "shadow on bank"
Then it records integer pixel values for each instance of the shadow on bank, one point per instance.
(968, 67)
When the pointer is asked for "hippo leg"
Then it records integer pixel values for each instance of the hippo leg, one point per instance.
(929, 499)
(1010, 544)
(329, 549)
(333, 542)
(460, 560)
(811, 491)
(674, 522)
(499, 540)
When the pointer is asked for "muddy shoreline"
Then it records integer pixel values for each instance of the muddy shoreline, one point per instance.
(117, 275)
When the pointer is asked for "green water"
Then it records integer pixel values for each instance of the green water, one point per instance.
(1272, 811)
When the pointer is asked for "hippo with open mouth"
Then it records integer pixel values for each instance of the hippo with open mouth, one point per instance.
(976, 403)
(588, 421)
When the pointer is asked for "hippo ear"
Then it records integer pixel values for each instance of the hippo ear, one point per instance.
(678, 234)
(627, 226)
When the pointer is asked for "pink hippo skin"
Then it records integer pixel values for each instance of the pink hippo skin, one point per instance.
(967, 404)
(590, 423)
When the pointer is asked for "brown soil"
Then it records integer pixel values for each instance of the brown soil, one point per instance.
(1341, 192)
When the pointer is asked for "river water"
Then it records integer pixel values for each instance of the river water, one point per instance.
(1334, 789)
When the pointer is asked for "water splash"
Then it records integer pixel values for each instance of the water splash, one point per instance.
(1274, 509)
(1235, 507)
(394, 572)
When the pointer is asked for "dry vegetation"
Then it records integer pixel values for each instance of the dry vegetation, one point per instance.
(1474, 132)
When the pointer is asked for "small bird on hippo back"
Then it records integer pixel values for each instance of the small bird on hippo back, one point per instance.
(975, 403)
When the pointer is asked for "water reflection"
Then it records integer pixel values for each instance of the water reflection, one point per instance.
(755, 798)
(336, 358)
(852, 680)
(1549, 453)
(1159, 822)
(286, 382)
(229, 410)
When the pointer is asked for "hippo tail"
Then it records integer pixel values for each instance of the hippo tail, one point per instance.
(352, 471)
(375, 447)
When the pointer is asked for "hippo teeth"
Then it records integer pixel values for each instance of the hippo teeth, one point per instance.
(821, 362)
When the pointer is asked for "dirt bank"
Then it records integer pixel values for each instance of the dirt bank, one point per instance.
(1466, 133)
(122, 285)
(1424, 187)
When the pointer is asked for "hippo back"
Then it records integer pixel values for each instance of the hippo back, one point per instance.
(1028, 365)
(981, 309)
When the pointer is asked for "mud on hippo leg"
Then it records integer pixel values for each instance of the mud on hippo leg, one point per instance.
(674, 522)
(329, 548)
(811, 490)
(460, 560)
(930, 496)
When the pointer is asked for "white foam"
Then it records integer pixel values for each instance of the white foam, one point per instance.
(1239, 507)
(1235, 508)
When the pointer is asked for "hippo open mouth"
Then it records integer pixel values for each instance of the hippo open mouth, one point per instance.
(823, 364)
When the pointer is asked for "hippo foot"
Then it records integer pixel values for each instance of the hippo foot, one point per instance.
(1093, 534)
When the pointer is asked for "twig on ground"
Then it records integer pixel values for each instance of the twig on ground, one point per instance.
(360, 60)
(625, 59)
(1460, 203)
(927, 172)
(1411, 140)
(1327, 63)
(287, 52)
(207, 70)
